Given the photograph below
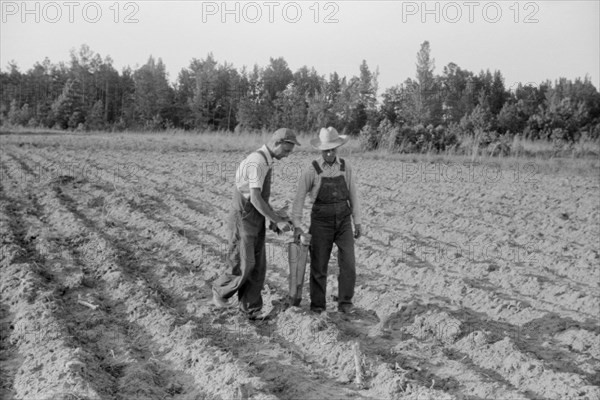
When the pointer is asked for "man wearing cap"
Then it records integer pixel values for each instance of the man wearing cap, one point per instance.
(250, 207)
(331, 186)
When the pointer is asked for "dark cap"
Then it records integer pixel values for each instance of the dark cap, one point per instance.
(285, 135)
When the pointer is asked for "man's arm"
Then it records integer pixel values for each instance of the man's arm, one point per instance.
(256, 169)
(262, 207)
(355, 201)
(304, 185)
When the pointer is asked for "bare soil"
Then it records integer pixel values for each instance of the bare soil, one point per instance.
(474, 282)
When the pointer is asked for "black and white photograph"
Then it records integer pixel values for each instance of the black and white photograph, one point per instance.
(299, 200)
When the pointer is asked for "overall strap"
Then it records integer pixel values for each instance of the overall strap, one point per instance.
(266, 190)
(317, 167)
(342, 165)
(262, 153)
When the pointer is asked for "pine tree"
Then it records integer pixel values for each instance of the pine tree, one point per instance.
(66, 109)
(203, 101)
(276, 77)
(153, 95)
(290, 109)
(254, 110)
(427, 97)
(368, 87)
(95, 120)
(14, 113)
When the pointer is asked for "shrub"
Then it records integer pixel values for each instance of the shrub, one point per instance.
(75, 120)
(500, 147)
(445, 137)
(33, 123)
(426, 138)
(368, 138)
(388, 134)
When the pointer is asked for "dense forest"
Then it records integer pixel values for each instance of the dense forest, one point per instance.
(427, 111)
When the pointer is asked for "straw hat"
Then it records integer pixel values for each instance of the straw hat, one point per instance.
(328, 139)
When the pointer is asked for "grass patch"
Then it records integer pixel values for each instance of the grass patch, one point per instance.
(579, 158)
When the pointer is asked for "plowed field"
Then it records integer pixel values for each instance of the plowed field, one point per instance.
(475, 281)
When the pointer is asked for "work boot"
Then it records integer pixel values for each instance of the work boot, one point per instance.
(257, 316)
(346, 308)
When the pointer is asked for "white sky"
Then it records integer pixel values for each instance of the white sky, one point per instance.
(560, 39)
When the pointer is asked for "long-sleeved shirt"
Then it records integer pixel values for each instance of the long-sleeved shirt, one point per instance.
(310, 182)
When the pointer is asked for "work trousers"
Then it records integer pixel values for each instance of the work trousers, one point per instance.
(246, 259)
(331, 224)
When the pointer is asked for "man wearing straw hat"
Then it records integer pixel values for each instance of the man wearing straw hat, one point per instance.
(250, 207)
(331, 186)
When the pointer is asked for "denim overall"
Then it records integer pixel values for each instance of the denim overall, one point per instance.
(246, 256)
(331, 222)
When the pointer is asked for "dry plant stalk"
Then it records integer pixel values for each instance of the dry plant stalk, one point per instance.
(359, 374)
(85, 303)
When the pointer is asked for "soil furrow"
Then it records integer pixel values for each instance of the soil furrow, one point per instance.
(175, 341)
(114, 350)
(441, 286)
(51, 362)
(189, 295)
(470, 288)
(140, 221)
(181, 214)
(534, 291)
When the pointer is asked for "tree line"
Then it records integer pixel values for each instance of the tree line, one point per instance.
(88, 93)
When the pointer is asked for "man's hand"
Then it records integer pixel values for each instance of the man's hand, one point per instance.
(285, 225)
(283, 211)
(297, 233)
(357, 231)
(273, 227)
